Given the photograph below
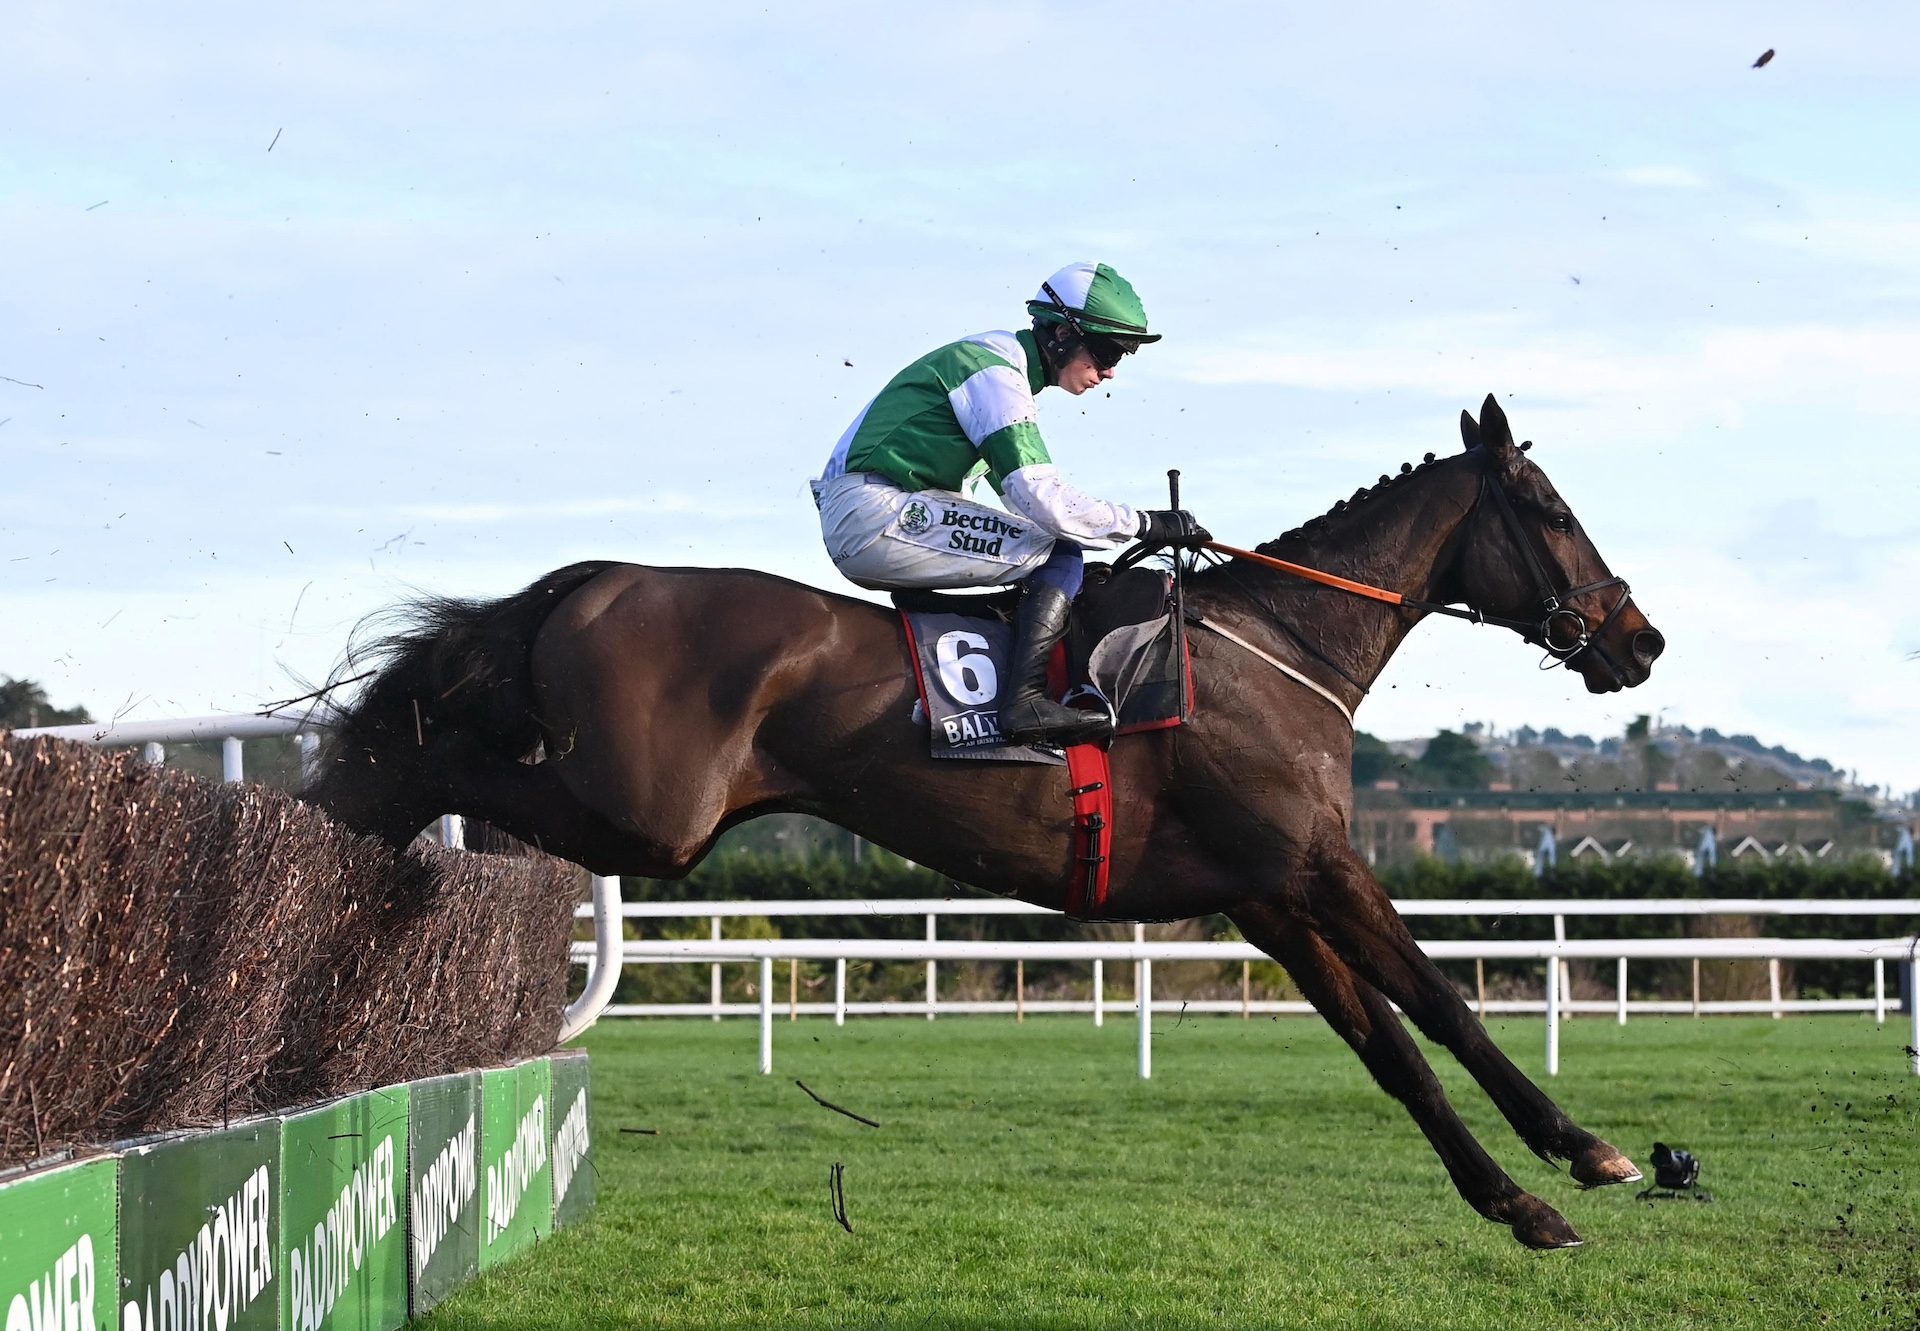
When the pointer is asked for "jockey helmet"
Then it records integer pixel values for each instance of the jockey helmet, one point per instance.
(1090, 298)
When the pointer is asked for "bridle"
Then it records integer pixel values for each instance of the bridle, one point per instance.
(1562, 631)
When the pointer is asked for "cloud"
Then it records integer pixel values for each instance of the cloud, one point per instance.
(654, 505)
(1718, 373)
(1659, 177)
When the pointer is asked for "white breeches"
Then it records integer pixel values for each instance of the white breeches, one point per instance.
(883, 537)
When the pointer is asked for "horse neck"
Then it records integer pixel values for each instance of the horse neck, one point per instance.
(1400, 538)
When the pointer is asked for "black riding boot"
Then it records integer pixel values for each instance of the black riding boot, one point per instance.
(1028, 715)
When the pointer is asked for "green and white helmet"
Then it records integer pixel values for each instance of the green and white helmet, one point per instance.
(1093, 299)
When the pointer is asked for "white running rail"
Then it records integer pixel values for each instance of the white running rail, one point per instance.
(1556, 1003)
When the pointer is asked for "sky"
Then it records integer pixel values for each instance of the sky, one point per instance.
(307, 311)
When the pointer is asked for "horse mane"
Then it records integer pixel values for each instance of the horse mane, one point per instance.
(1317, 525)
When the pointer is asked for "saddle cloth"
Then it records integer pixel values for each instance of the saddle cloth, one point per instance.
(1119, 653)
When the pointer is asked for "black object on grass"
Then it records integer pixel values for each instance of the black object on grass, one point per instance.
(1676, 1173)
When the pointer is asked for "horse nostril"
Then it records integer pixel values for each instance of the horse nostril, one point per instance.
(1647, 646)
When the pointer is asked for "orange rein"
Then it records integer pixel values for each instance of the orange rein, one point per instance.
(1310, 574)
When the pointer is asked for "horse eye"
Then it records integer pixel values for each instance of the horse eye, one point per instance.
(1561, 522)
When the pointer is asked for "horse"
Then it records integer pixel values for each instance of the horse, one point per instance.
(624, 716)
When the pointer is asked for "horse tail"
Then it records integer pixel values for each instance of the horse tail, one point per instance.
(450, 665)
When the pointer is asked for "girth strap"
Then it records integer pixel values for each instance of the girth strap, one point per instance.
(1090, 784)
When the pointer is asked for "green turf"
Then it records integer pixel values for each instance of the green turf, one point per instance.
(1024, 1177)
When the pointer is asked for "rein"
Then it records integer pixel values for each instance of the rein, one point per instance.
(1562, 631)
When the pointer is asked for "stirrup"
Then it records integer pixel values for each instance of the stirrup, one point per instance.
(1093, 691)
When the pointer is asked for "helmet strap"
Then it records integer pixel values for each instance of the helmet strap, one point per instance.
(1066, 310)
(1058, 346)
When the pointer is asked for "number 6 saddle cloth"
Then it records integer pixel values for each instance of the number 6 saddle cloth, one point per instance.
(1119, 657)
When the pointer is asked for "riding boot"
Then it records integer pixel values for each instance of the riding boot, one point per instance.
(1028, 715)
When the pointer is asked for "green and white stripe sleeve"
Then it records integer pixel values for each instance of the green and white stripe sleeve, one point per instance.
(1046, 499)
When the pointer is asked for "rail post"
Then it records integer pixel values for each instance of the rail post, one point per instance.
(1099, 992)
(766, 1015)
(1553, 1015)
(1566, 975)
(714, 981)
(1773, 986)
(1879, 991)
(1913, 1009)
(232, 765)
(1620, 1006)
(1146, 1018)
(931, 998)
(840, 991)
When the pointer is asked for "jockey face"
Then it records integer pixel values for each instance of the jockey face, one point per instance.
(1080, 372)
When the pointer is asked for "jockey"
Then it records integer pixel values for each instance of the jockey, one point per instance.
(891, 505)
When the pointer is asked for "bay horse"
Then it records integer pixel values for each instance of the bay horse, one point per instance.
(623, 717)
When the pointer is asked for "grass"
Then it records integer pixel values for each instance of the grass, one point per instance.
(1024, 1177)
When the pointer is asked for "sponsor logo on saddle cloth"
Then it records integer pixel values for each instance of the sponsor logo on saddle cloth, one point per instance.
(961, 663)
(1120, 654)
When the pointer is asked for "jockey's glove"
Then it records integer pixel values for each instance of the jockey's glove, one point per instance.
(1172, 527)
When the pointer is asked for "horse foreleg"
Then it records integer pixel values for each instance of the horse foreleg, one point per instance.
(1363, 1018)
(1356, 917)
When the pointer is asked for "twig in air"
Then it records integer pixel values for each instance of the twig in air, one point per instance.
(858, 1118)
(276, 138)
(322, 692)
(23, 383)
(641, 1132)
(837, 1189)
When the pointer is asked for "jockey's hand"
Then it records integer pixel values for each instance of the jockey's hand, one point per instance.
(1172, 527)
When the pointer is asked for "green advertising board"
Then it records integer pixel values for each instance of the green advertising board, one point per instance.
(59, 1248)
(517, 1178)
(573, 1172)
(343, 1214)
(199, 1236)
(443, 1187)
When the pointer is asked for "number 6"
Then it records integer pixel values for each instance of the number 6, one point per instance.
(965, 668)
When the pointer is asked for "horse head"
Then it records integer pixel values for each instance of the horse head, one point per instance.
(1526, 562)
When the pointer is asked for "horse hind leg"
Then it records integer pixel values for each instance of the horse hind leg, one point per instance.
(529, 802)
(1361, 1016)
(1356, 917)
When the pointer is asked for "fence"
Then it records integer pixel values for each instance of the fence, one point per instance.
(606, 953)
(602, 958)
(1555, 1004)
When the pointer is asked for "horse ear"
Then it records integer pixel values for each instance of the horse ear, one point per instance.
(1495, 433)
(1469, 430)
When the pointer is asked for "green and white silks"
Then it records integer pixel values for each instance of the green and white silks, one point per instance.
(955, 415)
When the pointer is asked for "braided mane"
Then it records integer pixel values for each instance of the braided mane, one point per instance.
(1312, 526)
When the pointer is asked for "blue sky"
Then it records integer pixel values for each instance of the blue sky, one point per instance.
(319, 308)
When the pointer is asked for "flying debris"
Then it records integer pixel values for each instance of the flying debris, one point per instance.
(1765, 56)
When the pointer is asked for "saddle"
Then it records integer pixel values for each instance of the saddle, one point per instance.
(1119, 656)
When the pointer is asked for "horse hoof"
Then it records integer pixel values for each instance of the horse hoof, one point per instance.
(1545, 1228)
(1600, 1166)
(1537, 1225)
